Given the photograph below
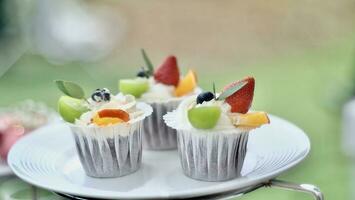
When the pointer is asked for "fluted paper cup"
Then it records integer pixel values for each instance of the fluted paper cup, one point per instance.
(209, 155)
(111, 151)
(156, 134)
(212, 157)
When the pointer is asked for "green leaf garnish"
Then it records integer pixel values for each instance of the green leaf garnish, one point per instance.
(225, 94)
(147, 62)
(70, 88)
(214, 90)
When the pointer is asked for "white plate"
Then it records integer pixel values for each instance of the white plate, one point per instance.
(5, 170)
(47, 158)
(53, 117)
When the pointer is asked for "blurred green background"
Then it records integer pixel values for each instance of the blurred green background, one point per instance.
(300, 52)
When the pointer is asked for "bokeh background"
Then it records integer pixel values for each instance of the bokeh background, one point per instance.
(300, 52)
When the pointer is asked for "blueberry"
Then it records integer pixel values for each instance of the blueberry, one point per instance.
(105, 90)
(107, 96)
(101, 95)
(204, 96)
(143, 73)
(97, 96)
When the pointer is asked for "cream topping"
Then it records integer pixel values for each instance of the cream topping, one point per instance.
(224, 122)
(159, 92)
(120, 101)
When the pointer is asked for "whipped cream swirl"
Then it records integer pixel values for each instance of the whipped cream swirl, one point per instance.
(159, 92)
(224, 123)
(120, 101)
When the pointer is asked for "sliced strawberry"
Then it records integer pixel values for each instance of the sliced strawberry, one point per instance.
(241, 100)
(168, 73)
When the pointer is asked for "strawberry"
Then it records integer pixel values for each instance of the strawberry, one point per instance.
(241, 100)
(168, 73)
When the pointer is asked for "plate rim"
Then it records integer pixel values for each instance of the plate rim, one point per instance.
(190, 193)
(5, 169)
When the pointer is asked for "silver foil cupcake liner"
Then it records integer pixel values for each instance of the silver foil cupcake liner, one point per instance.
(108, 156)
(111, 151)
(156, 134)
(213, 156)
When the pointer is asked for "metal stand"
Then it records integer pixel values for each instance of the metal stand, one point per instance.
(306, 188)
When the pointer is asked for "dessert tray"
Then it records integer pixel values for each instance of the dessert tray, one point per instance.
(47, 159)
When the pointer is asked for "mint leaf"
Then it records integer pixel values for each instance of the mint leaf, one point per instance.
(70, 88)
(225, 94)
(214, 90)
(147, 62)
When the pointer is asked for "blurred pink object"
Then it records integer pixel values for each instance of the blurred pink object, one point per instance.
(10, 131)
(20, 119)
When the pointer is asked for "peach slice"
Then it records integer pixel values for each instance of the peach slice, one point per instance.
(250, 120)
(110, 116)
(114, 113)
(105, 121)
(187, 84)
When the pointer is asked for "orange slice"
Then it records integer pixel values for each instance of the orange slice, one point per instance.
(187, 84)
(110, 116)
(251, 120)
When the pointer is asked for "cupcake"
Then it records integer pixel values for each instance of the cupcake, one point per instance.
(213, 131)
(163, 89)
(107, 129)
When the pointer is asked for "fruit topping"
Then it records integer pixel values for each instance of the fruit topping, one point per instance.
(101, 95)
(114, 113)
(70, 108)
(204, 117)
(106, 121)
(143, 73)
(187, 84)
(168, 73)
(110, 116)
(241, 100)
(250, 120)
(204, 96)
(147, 71)
(135, 87)
(96, 96)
